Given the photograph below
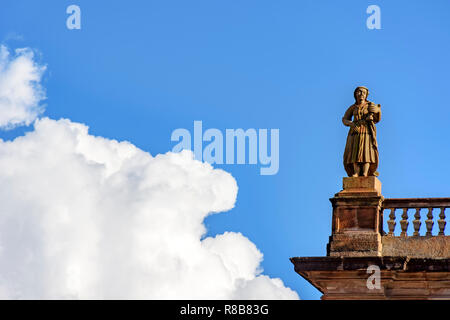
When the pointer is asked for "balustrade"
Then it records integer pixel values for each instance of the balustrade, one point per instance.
(416, 204)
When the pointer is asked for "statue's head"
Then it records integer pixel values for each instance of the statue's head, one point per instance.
(361, 93)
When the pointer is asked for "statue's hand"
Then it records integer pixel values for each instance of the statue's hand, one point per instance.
(374, 108)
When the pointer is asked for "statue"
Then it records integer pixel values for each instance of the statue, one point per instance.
(361, 149)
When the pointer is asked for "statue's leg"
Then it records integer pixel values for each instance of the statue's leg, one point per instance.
(366, 167)
(356, 170)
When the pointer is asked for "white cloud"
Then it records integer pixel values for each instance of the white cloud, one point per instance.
(20, 89)
(88, 217)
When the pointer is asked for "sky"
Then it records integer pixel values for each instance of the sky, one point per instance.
(138, 70)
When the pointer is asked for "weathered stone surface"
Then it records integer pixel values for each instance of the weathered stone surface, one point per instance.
(356, 222)
(361, 263)
(357, 207)
(360, 186)
(351, 216)
(355, 244)
(400, 277)
(418, 247)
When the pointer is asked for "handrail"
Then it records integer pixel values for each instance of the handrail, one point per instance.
(416, 203)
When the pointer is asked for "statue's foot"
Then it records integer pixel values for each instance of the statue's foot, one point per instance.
(355, 175)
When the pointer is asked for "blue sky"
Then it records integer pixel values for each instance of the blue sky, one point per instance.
(137, 70)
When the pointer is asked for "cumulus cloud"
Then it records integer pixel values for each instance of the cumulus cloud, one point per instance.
(88, 217)
(92, 218)
(20, 88)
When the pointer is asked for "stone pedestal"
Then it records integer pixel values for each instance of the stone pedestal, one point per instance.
(357, 221)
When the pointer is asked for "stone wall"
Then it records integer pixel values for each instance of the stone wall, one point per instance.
(416, 247)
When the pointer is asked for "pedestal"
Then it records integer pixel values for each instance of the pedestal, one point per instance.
(357, 221)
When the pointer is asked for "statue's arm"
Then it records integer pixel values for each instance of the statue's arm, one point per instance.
(378, 114)
(347, 119)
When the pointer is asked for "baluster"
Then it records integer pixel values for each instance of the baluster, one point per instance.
(417, 223)
(391, 222)
(429, 222)
(404, 222)
(442, 222)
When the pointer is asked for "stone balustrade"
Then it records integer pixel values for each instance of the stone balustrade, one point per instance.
(428, 210)
(413, 260)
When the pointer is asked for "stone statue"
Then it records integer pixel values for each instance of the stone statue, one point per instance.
(361, 149)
